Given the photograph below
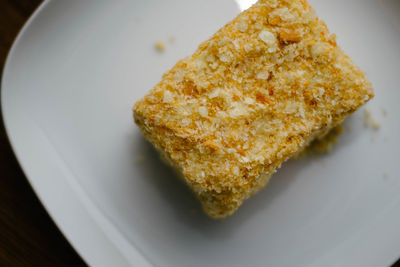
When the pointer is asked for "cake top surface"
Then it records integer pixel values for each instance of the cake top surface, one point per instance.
(249, 97)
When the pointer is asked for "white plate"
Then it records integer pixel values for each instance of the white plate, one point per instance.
(68, 87)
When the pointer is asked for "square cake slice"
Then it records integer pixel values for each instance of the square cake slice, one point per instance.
(253, 95)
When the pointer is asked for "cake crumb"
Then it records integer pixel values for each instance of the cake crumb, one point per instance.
(385, 175)
(376, 125)
(171, 39)
(160, 46)
(323, 145)
(369, 122)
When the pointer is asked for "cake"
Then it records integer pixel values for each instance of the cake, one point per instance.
(250, 97)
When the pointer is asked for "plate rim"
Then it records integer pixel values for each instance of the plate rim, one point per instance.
(72, 236)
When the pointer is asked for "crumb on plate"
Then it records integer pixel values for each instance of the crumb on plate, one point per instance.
(369, 122)
(160, 46)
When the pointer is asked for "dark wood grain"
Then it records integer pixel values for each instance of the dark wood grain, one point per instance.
(28, 236)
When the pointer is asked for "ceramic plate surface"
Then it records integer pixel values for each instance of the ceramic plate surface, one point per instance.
(70, 81)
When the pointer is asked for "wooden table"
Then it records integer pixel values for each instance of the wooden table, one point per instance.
(28, 236)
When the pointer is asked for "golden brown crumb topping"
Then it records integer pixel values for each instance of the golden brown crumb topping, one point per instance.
(250, 96)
